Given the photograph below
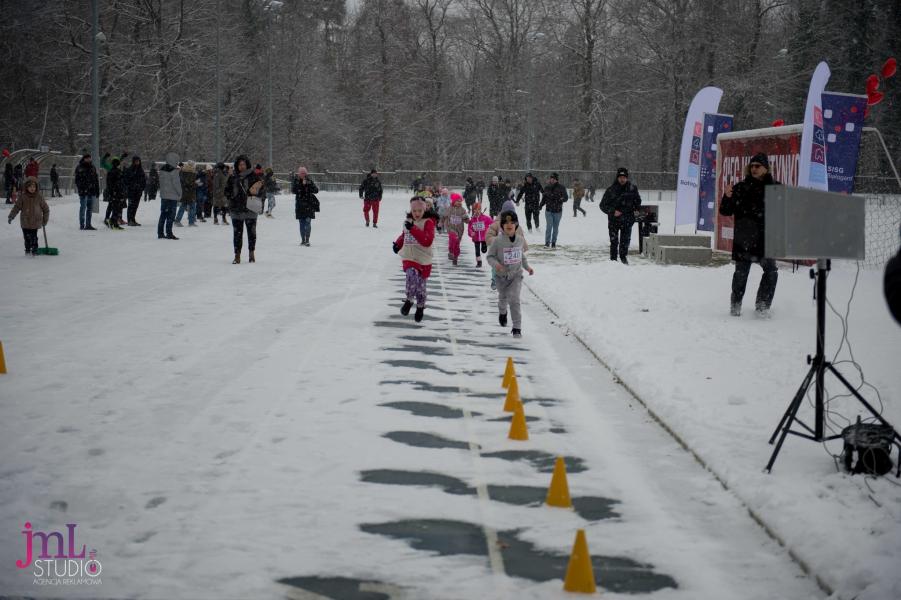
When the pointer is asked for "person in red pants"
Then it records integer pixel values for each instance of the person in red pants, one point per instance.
(371, 194)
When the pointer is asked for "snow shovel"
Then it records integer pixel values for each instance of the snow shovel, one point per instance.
(47, 249)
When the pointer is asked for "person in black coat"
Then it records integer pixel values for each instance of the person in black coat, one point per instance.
(9, 182)
(532, 190)
(497, 195)
(745, 202)
(153, 184)
(553, 197)
(135, 182)
(470, 194)
(306, 204)
(87, 185)
(54, 182)
(243, 185)
(115, 196)
(619, 203)
(371, 195)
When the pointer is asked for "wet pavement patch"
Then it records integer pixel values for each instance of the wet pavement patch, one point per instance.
(339, 588)
(558, 430)
(428, 409)
(424, 386)
(521, 558)
(430, 350)
(420, 439)
(508, 417)
(396, 324)
(542, 401)
(449, 484)
(542, 461)
(426, 316)
(417, 364)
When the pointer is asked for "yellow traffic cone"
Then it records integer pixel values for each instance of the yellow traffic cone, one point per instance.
(2, 360)
(512, 399)
(518, 429)
(558, 493)
(579, 574)
(509, 373)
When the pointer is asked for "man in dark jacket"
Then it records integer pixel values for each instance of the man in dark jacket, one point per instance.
(54, 182)
(532, 190)
(470, 194)
(553, 197)
(135, 182)
(497, 195)
(619, 203)
(306, 204)
(116, 195)
(87, 184)
(371, 195)
(745, 202)
(153, 183)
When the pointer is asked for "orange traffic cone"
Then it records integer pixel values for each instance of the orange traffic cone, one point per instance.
(518, 429)
(509, 373)
(512, 400)
(558, 493)
(579, 573)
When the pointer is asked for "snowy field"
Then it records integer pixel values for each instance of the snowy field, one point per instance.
(278, 429)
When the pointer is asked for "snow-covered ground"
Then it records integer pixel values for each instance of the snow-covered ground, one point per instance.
(213, 429)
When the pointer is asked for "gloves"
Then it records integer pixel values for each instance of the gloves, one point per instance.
(10, 222)
(393, 246)
(408, 225)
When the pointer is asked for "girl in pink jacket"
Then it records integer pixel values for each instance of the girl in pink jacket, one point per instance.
(478, 228)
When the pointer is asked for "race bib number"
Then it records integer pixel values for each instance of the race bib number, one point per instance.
(456, 219)
(512, 256)
(409, 240)
(478, 226)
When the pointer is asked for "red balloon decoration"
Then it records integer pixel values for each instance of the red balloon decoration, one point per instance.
(778, 122)
(5, 152)
(889, 68)
(872, 84)
(875, 98)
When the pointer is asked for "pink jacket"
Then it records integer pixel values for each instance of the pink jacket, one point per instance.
(475, 232)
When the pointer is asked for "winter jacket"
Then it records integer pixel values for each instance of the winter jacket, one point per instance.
(54, 175)
(32, 169)
(371, 189)
(34, 209)
(578, 190)
(19, 177)
(415, 245)
(470, 193)
(201, 191)
(86, 181)
(623, 198)
(497, 194)
(170, 183)
(188, 184)
(553, 198)
(153, 182)
(269, 183)
(115, 186)
(510, 254)
(237, 189)
(478, 227)
(532, 192)
(457, 217)
(217, 189)
(135, 181)
(747, 206)
(306, 204)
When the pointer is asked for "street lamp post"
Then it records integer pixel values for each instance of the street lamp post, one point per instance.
(95, 80)
(528, 129)
(218, 89)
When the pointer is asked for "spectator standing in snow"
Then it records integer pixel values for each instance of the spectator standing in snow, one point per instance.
(18, 178)
(480, 188)
(35, 214)
(201, 193)
(745, 202)
(153, 183)
(135, 182)
(87, 185)
(116, 195)
(32, 169)
(271, 186)
(470, 194)
(496, 196)
(306, 204)
(188, 200)
(619, 203)
(578, 194)
(532, 190)
(507, 257)
(371, 195)
(9, 182)
(220, 202)
(54, 182)
(244, 184)
(170, 194)
(553, 198)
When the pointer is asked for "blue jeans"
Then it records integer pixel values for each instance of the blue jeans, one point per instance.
(270, 199)
(192, 212)
(552, 226)
(84, 210)
(167, 214)
(306, 225)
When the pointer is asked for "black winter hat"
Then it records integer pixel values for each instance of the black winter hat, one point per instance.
(115, 162)
(622, 171)
(374, 172)
(242, 157)
(509, 215)
(555, 176)
(761, 159)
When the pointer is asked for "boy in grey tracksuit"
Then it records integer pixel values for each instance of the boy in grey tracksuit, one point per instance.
(507, 258)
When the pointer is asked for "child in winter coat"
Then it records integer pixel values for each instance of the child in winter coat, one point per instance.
(415, 248)
(35, 214)
(443, 204)
(456, 219)
(507, 257)
(478, 229)
(494, 230)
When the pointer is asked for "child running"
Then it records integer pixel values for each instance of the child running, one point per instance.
(478, 229)
(507, 257)
(415, 248)
(456, 219)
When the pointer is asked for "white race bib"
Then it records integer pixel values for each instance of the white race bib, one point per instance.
(456, 219)
(512, 256)
(409, 240)
(478, 226)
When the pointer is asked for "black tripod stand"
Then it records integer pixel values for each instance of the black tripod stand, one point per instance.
(817, 374)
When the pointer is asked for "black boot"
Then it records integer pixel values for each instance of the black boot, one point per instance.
(420, 311)
(502, 319)
(405, 309)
